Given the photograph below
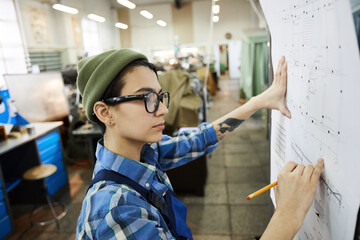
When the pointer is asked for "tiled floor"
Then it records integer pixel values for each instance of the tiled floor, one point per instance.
(238, 167)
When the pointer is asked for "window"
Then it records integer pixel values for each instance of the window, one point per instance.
(12, 53)
(91, 37)
(46, 61)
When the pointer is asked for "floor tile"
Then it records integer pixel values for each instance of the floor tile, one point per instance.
(258, 136)
(216, 160)
(261, 146)
(249, 220)
(212, 237)
(68, 223)
(264, 155)
(81, 176)
(244, 237)
(216, 174)
(40, 235)
(220, 150)
(247, 174)
(239, 148)
(242, 160)
(208, 219)
(214, 194)
(78, 192)
(242, 138)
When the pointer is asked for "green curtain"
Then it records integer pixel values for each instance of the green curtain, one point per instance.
(356, 16)
(254, 66)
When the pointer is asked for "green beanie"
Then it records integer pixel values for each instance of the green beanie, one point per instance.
(95, 74)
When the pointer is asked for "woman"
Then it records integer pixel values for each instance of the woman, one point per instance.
(131, 196)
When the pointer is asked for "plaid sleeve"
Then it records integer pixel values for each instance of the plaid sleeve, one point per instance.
(130, 222)
(187, 146)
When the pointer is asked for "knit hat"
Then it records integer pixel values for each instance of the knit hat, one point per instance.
(95, 74)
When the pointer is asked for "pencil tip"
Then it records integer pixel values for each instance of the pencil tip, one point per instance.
(248, 198)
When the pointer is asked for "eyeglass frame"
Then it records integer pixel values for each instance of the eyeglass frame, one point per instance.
(116, 100)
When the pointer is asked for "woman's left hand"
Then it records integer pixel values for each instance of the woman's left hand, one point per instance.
(275, 96)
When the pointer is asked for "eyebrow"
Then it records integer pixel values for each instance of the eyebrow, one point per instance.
(147, 90)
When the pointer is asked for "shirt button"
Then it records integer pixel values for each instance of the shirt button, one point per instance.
(147, 184)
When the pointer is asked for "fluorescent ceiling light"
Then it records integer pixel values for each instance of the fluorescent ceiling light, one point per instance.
(121, 25)
(127, 4)
(215, 18)
(66, 9)
(146, 14)
(96, 18)
(161, 23)
(216, 9)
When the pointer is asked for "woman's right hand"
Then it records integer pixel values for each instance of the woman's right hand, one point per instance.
(296, 189)
(294, 195)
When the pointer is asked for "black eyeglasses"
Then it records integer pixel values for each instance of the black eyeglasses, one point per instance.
(151, 100)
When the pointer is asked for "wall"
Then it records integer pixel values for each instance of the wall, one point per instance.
(125, 34)
(183, 22)
(58, 32)
(235, 17)
(201, 20)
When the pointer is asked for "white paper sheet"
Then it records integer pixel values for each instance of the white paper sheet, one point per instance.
(318, 39)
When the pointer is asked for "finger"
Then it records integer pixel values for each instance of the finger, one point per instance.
(284, 74)
(289, 166)
(278, 70)
(285, 111)
(283, 81)
(276, 190)
(308, 172)
(299, 169)
(317, 171)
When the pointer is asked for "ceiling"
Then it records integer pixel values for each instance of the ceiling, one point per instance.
(147, 2)
(150, 2)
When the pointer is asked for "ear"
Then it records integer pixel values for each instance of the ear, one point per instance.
(103, 113)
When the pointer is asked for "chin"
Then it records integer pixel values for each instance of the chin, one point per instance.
(154, 139)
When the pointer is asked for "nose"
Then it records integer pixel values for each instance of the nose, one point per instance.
(162, 110)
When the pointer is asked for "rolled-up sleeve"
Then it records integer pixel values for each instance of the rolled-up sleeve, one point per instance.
(188, 145)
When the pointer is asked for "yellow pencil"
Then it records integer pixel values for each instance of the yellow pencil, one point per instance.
(264, 189)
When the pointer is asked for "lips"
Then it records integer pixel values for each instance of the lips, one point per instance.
(160, 125)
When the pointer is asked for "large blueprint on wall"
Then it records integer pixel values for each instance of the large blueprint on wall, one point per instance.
(318, 40)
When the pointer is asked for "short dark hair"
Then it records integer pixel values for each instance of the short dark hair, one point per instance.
(118, 83)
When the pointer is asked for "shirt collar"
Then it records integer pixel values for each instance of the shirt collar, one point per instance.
(142, 173)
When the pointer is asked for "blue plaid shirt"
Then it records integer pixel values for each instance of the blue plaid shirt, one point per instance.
(115, 211)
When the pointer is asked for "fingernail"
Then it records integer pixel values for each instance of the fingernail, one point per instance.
(321, 160)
